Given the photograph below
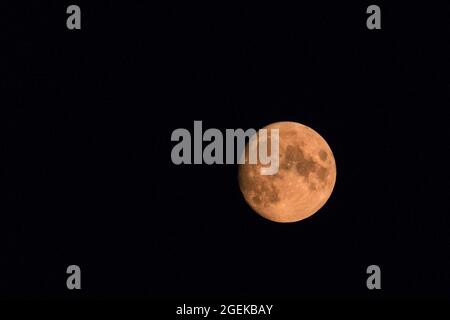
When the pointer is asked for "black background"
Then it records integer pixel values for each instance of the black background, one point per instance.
(87, 179)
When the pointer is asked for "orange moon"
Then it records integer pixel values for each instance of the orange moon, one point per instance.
(304, 181)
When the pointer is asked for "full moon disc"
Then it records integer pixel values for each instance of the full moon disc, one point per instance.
(304, 181)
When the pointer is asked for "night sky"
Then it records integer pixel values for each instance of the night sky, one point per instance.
(86, 174)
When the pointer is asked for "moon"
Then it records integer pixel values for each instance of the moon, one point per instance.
(304, 181)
